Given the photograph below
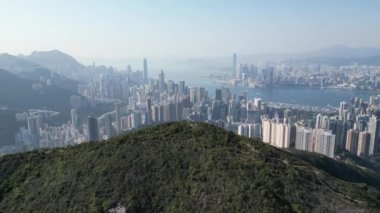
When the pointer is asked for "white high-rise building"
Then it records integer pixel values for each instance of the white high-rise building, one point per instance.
(257, 103)
(74, 118)
(324, 142)
(304, 139)
(275, 133)
(318, 121)
(136, 120)
(266, 130)
(249, 130)
(374, 130)
(325, 122)
(193, 95)
(243, 130)
(282, 135)
(342, 107)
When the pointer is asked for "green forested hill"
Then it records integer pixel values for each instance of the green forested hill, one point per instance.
(183, 167)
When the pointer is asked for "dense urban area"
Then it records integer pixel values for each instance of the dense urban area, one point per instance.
(135, 99)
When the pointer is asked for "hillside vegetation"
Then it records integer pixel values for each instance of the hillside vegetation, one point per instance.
(183, 167)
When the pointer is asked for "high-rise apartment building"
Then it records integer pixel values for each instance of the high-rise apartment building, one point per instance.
(363, 144)
(304, 139)
(374, 130)
(352, 141)
(324, 142)
(92, 128)
(145, 70)
(275, 133)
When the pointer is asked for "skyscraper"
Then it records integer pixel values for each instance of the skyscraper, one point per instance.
(304, 139)
(352, 141)
(281, 136)
(363, 144)
(32, 125)
(201, 94)
(74, 118)
(275, 133)
(243, 130)
(181, 88)
(324, 142)
(108, 126)
(161, 78)
(170, 87)
(34, 130)
(145, 71)
(374, 130)
(257, 103)
(255, 130)
(325, 122)
(193, 95)
(156, 113)
(270, 76)
(339, 128)
(266, 130)
(342, 107)
(179, 110)
(218, 94)
(135, 120)
(318, 121)
(93, 129)
(149, 108)
(249, 130)
(117, 109)
(238, 72)
(234, 64)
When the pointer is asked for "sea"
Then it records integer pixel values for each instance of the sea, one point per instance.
(301, 96)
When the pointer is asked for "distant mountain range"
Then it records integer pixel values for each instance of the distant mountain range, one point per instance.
(184, 167)
(56, 61)
(68, 67)
(35, 72)
(340, 51)
(334, 55)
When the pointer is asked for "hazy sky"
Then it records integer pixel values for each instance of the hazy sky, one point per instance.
(114, 29)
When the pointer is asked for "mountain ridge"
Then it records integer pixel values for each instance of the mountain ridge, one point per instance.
(34, 72)
(178, 167)
(56, 61)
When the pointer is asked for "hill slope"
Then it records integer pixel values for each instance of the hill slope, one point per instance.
(56, 61)
(178, 166)
(17, 94)
(34, 72)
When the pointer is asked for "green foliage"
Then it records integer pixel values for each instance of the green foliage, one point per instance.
(178, 167)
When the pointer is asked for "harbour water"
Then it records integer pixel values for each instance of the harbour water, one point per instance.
(302, 96)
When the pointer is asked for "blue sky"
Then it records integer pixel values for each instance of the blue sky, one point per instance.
(116, 29)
